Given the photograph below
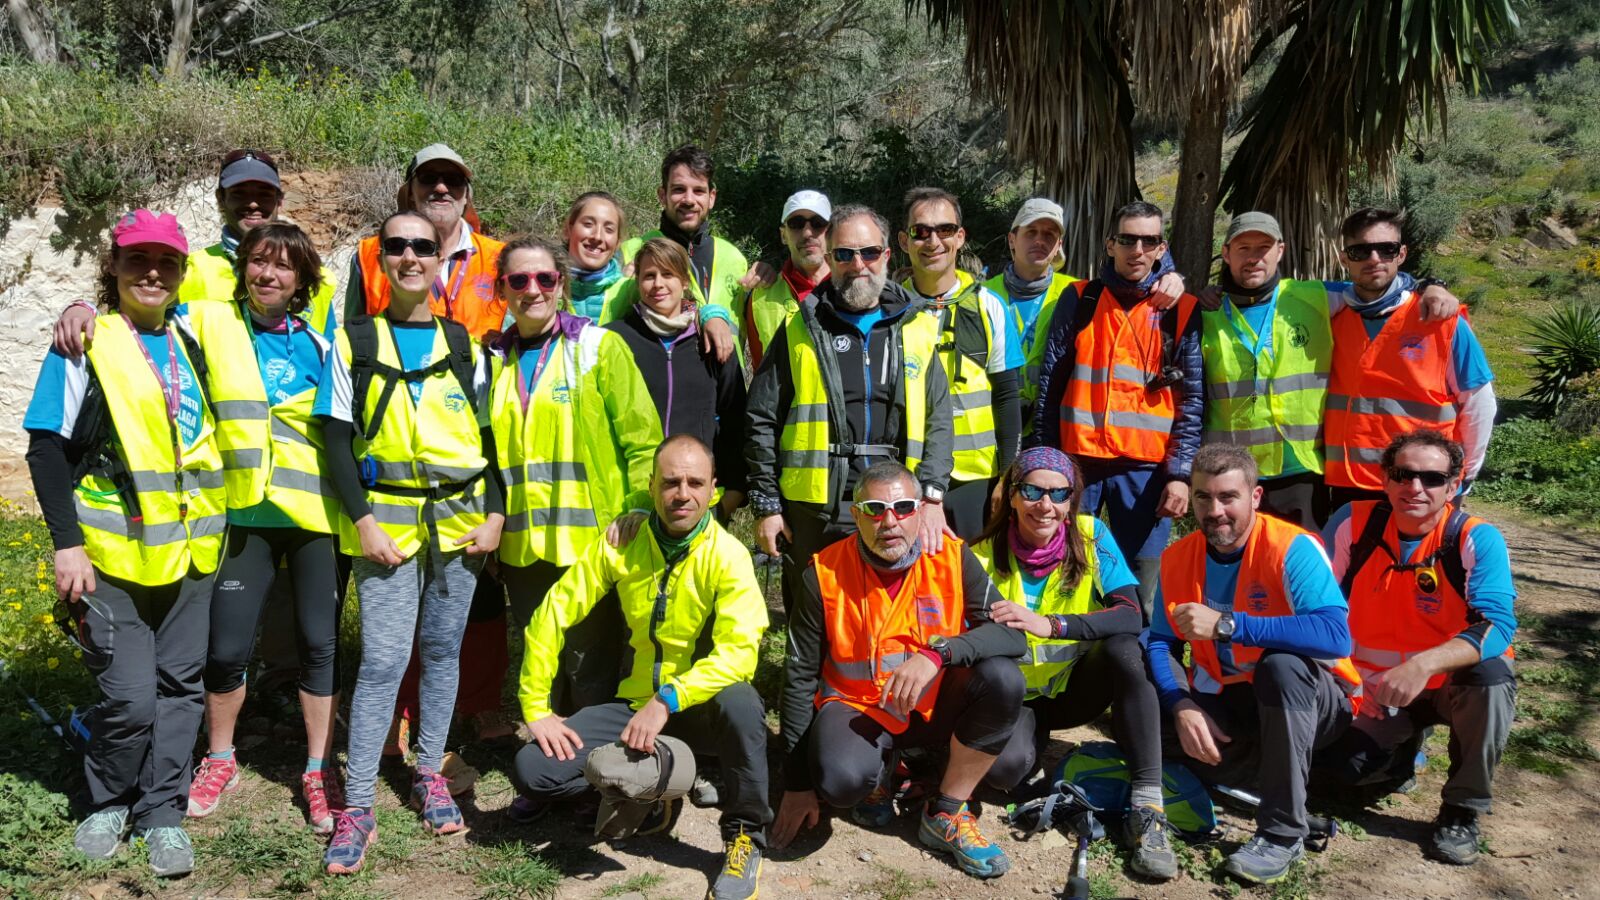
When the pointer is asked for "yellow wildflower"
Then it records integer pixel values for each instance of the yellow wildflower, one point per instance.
(45, 619)
(52, 663)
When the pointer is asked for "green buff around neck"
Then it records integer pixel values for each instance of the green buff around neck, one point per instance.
(673, 548)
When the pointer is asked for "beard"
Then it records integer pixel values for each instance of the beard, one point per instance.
(862, 293)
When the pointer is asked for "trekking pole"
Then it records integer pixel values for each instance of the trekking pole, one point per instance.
(42, 714)
(1078, 884)
(1318, 825)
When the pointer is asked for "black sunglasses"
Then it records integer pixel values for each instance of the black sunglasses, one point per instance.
(1146, 241)
(797, 223)
(396, 246)
(1034, 493)
(945, 231)
(1428, 477)
(877, 509)
(454, 179)
(546, 280)
(1386, 250)
(868, 254)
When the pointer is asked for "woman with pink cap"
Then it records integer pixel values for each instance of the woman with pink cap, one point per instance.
(130, 480)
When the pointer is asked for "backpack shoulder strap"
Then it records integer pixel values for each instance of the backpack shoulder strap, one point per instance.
(1365, 544)
(462, 362)
(1455, 571)
(362, 333)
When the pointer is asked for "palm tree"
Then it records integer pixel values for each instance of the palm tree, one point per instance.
(1351, 78)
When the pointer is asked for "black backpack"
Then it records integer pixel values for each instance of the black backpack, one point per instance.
(1447, 557)
(365, 365)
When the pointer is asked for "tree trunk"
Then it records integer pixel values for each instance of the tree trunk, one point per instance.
(183, 16)
(1199, 171)
(38, 33)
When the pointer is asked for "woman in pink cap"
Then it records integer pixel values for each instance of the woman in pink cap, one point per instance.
(130, 480)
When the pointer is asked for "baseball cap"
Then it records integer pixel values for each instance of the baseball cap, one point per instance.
(145, 227)
(630, 782)
(811, 201)
(1038, 208)
(1254, 221)
(248, 165)
(436, 153)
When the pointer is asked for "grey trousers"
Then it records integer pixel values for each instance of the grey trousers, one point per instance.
(1276, 722)
(1477, 704)
(146, 647)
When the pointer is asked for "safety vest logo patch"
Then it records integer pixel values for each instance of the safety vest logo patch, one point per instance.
(1413, 347)
(1257, 599)
(1299, 335)
(913, 366)
(930, 611)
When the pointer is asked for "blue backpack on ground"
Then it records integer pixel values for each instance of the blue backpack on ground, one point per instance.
(1100, 771)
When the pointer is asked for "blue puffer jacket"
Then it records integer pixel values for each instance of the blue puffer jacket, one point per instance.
(1059, 352)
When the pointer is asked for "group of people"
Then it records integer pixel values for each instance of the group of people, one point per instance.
(969, 485)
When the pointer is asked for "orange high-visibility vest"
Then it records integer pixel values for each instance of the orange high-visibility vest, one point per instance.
(870, 633)
(1396, 614)
(1107, 412)
(1383, 387)
(468, 296)
(1259, 591)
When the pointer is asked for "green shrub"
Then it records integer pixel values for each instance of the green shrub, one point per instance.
(1566, 346)
(1544, 468)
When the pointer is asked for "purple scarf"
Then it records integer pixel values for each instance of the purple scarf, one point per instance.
(1038, 561)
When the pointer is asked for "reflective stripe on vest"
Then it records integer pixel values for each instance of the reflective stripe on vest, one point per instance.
(238, 399)
(805, 444)
(972, 411)
(429, 445)
(1034, 334)
(473, 302)
(1107, 412)
(1258, 591)
(1384, 387)
(1049, 663)
(1394, 615)
(1273, 406)
(182, 510)
(869, 633)
(550, 512)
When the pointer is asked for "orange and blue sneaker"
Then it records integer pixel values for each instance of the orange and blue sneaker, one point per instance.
(877, 811)
(354, 832)
(430, 795)
(958, 835)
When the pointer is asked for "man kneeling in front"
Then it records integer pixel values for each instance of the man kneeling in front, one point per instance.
(892, 648)
(683, 578)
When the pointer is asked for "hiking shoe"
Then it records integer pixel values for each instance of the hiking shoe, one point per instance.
(212, 779)
(324, 798)
(1260, 861)
(1144, 831)
(741, 871)
(958, 835)
(99, 836)
(703, 794)
(1455, 836)
(661, 818)
(877, 811)
(171, 854)
(430, 795)
(524, 811)
(354, 832)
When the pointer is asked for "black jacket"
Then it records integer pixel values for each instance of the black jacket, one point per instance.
(694, 393)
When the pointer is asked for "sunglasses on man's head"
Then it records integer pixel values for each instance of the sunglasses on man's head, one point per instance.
(257, 155)
(1143, 241)
(1429, 477)
(817, 223)
(877, 509)
(1386, 250)
(396, 246)
(945, 231)
(868, 254)
(546, 280)
(1033, 493)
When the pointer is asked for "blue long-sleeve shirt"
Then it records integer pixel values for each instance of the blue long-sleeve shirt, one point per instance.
(1491, 594)
(1319, 627)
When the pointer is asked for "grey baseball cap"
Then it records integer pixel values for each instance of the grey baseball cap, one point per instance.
(1038, 208)
(1253, 221)
(248, 168)
(436, 153)
(630, 782)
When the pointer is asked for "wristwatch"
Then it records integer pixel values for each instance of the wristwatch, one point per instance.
(932, 494)
(669, 696)
(1225, 627)
(942, 647)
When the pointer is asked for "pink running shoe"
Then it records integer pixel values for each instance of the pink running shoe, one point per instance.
(430, 795)
(212, 779)
(324, 799)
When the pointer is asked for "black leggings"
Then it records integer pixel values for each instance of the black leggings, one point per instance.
(1111, 674)
(244, 580)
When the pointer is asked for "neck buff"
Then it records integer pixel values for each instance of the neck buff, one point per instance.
(877, 562)
(668, 326)
(587, 283)
(702, 249)
(1019, 289)
(1040, 561)
(673, 548)
(230, 242)
(799, 282)
(1123, 289)
(689, 239)
(1384, 305)
(1249, 295)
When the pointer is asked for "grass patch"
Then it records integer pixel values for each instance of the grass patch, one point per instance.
(515, 871)
(638, 884)
(898, 884)
(1543, 468)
